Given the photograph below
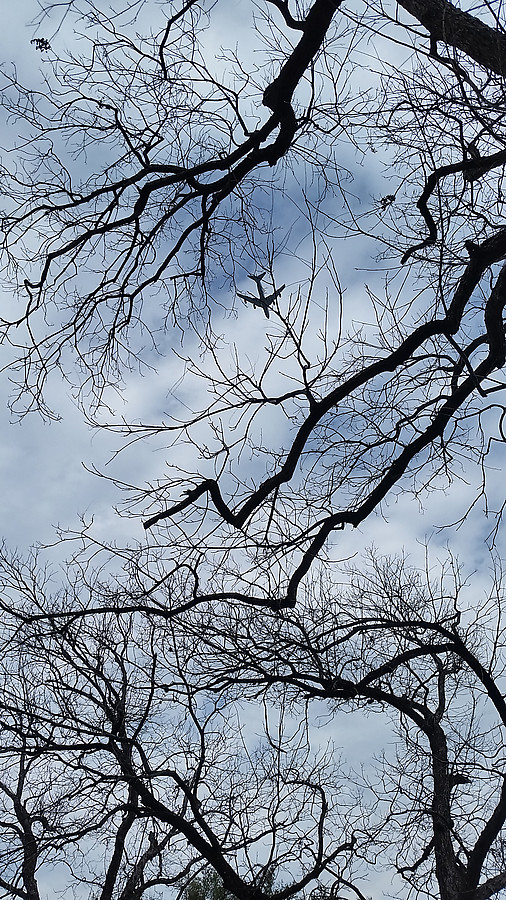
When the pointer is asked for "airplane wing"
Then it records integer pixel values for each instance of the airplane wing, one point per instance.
(272, 297)
(254, 300)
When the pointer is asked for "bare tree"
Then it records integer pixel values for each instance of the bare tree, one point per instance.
(123, 779)
(152, 176)
(155, 173)
(131, 767)
(405, 646)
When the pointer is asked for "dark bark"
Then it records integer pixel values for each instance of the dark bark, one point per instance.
(461, 31)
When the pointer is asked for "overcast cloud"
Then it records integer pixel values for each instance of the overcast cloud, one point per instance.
(43, 465)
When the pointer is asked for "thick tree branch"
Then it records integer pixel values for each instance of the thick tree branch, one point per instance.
(461, 31)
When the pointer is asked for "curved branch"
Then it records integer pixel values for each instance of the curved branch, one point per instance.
(469, 168)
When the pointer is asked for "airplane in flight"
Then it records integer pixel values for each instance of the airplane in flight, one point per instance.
(262, 300)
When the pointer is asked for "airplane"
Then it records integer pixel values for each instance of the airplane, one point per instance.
(262, 301)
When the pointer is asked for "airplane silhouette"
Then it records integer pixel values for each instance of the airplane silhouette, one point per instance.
(262, 301)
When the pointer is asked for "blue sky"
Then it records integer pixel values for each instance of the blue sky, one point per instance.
(43, 471)
(45, 477)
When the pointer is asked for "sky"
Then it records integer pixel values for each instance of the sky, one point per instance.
(45, 482)
(46, 467)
